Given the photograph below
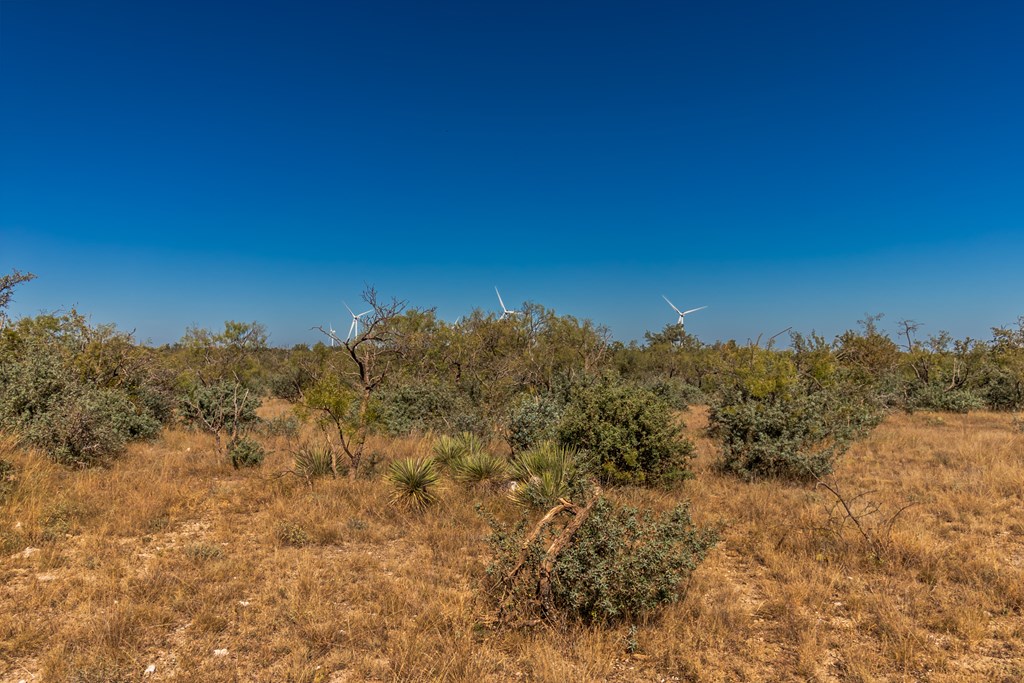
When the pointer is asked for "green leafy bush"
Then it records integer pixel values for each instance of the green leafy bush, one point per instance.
(45, 399)
(245, 453)
(531, 420)
(934, 397)
(546, 474)
(415, 482)
(789, 434)
(620, 565)
(676, 392)
(407, 407)
(221, 407)
(628, 431)
(282, 425)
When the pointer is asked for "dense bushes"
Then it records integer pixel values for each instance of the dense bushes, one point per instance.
(77, 392)
(531, 420)
(791, 434)
(219, 408)
(628, 432)
(619, 565)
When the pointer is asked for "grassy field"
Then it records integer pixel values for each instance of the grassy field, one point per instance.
(172, 561)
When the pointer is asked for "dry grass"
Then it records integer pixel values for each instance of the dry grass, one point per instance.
(171, 557)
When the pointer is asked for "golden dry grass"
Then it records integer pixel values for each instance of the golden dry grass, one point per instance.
(173, 559)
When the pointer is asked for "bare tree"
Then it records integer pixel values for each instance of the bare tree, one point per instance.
(7, 285)
(372, 354)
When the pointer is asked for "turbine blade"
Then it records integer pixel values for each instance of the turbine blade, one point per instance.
(349, 309)
(499, 299)
(671, 304)
(693, 310)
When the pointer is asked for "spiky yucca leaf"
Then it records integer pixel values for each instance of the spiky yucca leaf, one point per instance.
(415, 481)
(313, 461)
(448, 449)
(478, 468)
(547, 473)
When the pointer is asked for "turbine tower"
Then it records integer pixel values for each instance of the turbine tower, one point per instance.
(505, 313)
(333, 335)
(682, 314)
(353, 329)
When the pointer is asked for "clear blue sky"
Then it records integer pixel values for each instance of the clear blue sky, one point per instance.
(785, 163)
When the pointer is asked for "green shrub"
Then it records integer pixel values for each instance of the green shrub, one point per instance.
(621, 565)
(245, 453)
(81, 428)
(44, 400)
(221, 407)
(789, 435)
(282, 425)
(414, 481)
(542, 476)
(200, 553)
(312, 461)
(934, 397)
(531, 420)
(677, 393)
(291, 534)
(629, 432)
(407, 407)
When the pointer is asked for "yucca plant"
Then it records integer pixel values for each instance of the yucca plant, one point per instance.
(478, 468)
(547, 473)
(313, 461)
(448, 449)
(415, 481)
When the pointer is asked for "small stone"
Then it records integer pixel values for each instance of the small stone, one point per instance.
(29, 552)
(244, 603)
(220, 653)
(150, 669)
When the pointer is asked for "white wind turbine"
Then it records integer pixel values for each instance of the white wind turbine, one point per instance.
(353, 329)
(505, 313)
(333, 335)
(682, 314)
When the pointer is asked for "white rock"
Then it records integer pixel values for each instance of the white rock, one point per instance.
(244, 603)
(151, 669)
(220, 653)
(29, 552)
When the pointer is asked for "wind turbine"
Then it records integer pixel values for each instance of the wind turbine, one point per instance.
(333, 335)
(354, 327)
(682, 314)
(505, 313)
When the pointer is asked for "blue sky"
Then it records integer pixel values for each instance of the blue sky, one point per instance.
(164, 164)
